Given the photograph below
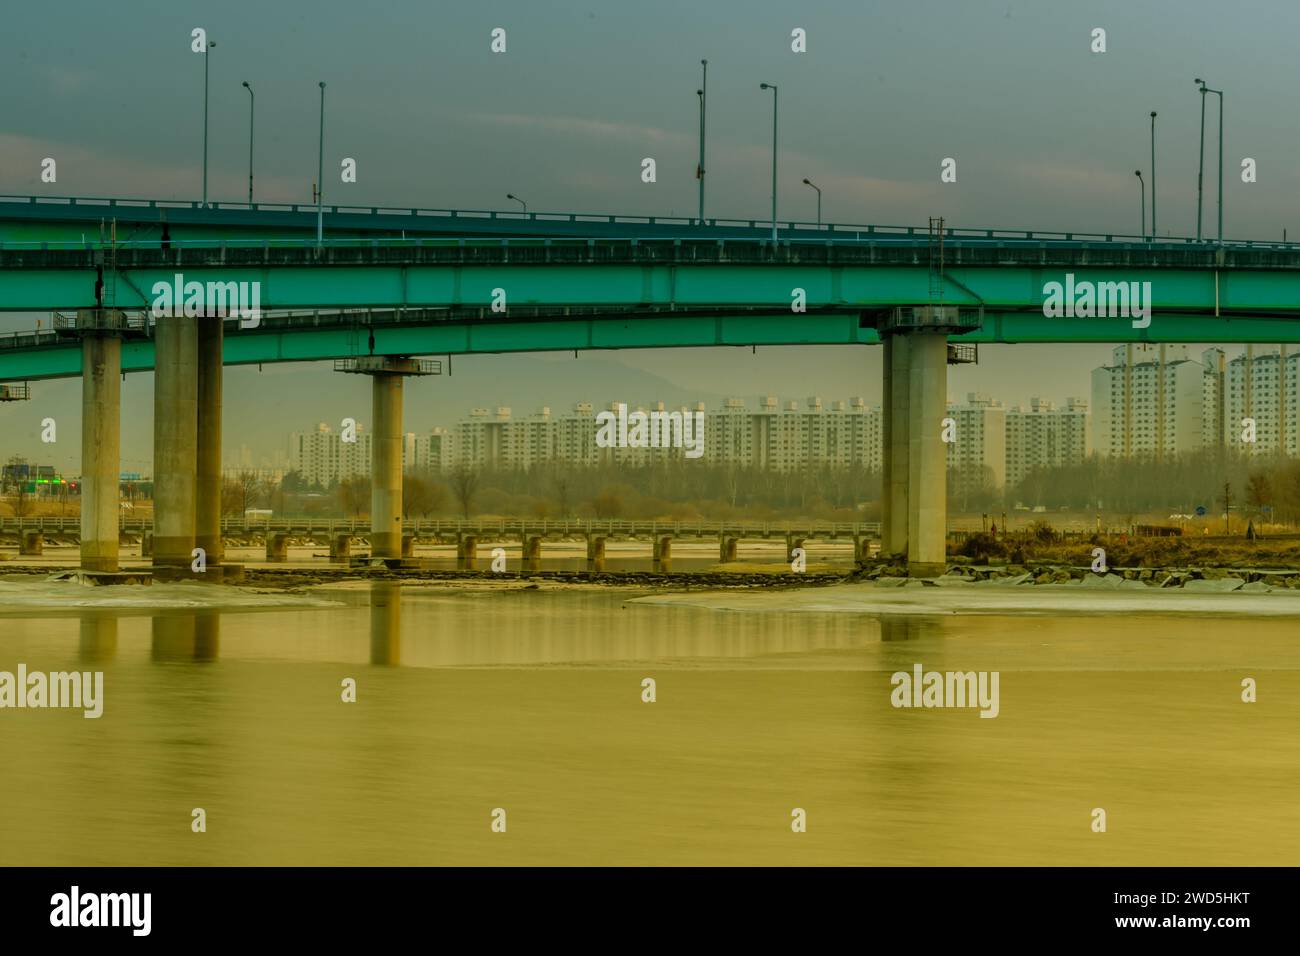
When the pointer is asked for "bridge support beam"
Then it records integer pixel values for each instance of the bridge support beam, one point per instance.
(277, 546)
(386, 467)
(663, 552)
(341, 548)
(175, 439)
(894, 433)
(101, 429)
(915, 512)
(466, 552)
(595, 553)
(408, 545)
(207, 491)
(30, 542)
(531, 552)
(386, 374)
(927, 459)
(727, 546)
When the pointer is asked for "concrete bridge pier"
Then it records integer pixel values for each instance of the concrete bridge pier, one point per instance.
(914, 402)
(30, 542)
(531, 552)
(408, 545)
(386, 374)
(386, 467)
(101, 405)
(466, 551)
(595, 552)
(341, 548)
(175, 440)
(927, 458)
(792, 542)
(207, 488)
(277, 546)
(894, 432)
(663, 552)
(727, 546)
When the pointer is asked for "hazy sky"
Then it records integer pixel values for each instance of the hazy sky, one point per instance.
(1046, 134)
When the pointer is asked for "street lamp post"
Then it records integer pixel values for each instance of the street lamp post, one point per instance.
(320, 172)
(251, 101)
(775, 95)
(809, 182)
(1138, 174)
(1154, 233)
(1219, 93)
(518, 200)
(702, 93)
(1200, 169)
(208, 45)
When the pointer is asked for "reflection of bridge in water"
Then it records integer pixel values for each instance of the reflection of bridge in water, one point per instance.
(474, 630)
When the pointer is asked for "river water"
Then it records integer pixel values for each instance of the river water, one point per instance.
(529, 700)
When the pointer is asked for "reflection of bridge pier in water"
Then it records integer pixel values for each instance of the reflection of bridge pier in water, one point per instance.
(186, 637)
(98, 641)
(385, 623)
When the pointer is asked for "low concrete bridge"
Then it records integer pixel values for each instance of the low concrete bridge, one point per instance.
(469, 533)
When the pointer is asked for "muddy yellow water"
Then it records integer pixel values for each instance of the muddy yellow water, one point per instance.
(531, 702)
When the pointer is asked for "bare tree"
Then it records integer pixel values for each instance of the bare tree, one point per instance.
(464, 486)
(1258, 492)
(563, 488)
(421, 495)
(608, 504)
(354, 496)
(23, 503)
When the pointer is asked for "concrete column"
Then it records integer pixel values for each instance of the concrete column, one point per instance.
(886, 431)
(894, 539)
(207, 504)
(386, 468)
(277, 546)
(531, 551)
(927, 459)
(101, 408)
(595, 553)
(341, 548)
(175, 438)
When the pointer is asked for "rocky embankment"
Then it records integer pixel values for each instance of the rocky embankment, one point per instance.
(964, 572)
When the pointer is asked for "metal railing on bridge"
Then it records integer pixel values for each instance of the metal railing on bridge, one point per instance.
(104, 207)
(486, 526)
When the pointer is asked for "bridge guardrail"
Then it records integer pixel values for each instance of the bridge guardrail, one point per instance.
(95, 204)
(575, 526)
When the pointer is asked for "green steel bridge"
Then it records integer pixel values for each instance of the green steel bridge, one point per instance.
(387, 284)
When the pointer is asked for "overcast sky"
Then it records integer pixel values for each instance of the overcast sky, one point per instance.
(1046, 133)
